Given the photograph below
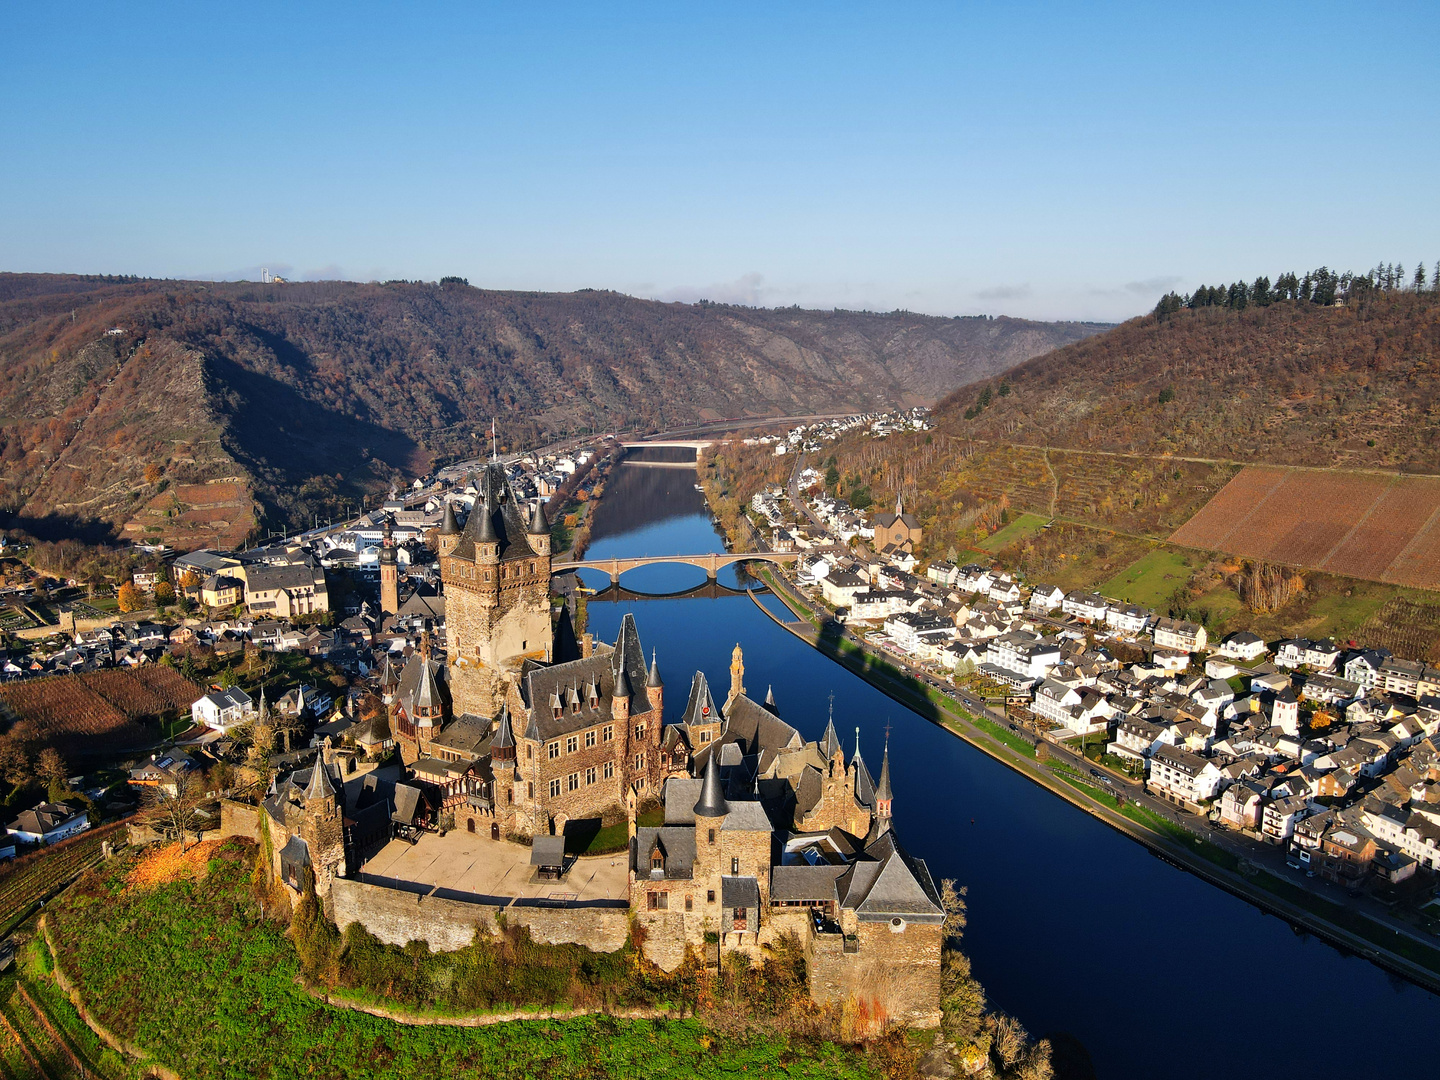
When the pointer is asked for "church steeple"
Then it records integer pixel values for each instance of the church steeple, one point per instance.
(883, 794)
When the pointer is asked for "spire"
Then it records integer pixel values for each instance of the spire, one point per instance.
(899, 505)
(770, 697)
(712, 799)
(538, 525)
(622, 685)
(504, 735)
(830, 742)
(319, 786)
(654, 680)
(882, 791)
(449, 527)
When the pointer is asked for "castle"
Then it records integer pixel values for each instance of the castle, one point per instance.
(762, 833)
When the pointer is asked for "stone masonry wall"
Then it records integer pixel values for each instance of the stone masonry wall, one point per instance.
(397, 917)
(900, 968)
(239, 819)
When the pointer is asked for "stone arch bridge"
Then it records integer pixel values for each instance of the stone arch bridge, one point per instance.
(711, 564)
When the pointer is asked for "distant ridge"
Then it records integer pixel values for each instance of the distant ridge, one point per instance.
(312, 393)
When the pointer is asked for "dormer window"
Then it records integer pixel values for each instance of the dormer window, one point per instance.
(657, 860)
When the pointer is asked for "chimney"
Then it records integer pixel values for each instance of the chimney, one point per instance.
(587, 645)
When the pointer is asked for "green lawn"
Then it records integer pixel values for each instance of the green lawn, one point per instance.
(1023, 526)
(1150, 580)
(221, 1000)
(1009, 738)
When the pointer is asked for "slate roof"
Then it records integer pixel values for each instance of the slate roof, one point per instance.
(891, 883)
(814, 883)
(548, 851)
(467, 734)
(677, 844)
(739, 892)
(544, 686)
(498, 517)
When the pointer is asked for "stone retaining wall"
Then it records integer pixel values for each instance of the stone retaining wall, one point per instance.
(397, 917)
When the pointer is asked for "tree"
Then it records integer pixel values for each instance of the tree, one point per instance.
(14, 762)
(1167, 395)
(164, 592)
(952, 899)
(51, 768)
(174, 812)
(129, 597)
(1419, 282)
(153, 472)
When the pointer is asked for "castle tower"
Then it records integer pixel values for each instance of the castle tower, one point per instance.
(389, 573)
(497, 596)
(321, 827)
(655, 690)
(449, 534)
(830, 748)
(737, 675)
(710, 811)
(620, 700)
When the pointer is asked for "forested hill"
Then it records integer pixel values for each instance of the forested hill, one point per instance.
(1287, 382)
(116, 394)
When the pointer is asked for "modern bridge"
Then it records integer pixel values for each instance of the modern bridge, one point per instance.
(711, 564)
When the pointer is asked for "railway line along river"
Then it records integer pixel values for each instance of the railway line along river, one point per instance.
(1078, 931)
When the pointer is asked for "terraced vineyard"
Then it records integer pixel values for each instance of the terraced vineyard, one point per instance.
(36, 876)
(1376, 526)
(94, 713)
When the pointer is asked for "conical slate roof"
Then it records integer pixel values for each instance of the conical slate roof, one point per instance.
(653, 679)
(504, 736)
(485, 532)
(882, 791)
(538, 525)
(712, 798)
(829, 742)
(770, 698)
(622, 685)
(319, 786)
(428, 695)
(449, 527)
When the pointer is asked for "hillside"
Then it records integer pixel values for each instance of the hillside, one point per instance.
(123, 400)
(1126, 439)
(1292, 383)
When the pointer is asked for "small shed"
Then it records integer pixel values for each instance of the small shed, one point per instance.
(548, 857)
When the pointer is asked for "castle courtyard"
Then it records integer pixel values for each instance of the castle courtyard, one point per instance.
(471, 863)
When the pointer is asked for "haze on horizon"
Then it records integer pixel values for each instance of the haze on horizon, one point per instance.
(1044, 161)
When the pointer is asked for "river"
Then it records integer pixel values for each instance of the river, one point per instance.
(1080, 933)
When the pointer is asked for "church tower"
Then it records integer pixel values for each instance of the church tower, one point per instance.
(389, 573)
(497, 596)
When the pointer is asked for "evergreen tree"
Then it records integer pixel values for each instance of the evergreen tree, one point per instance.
(1419, 276)
(1260, 292)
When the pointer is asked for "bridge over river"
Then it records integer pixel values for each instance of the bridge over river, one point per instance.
(710, 563)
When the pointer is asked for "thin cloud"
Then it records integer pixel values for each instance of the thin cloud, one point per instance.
(1151, 286)
(1007, 292)
(749, 289)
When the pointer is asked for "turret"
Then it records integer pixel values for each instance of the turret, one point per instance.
(449, 534)
(655, 690)
(737, 673)
(538, 532)
(711, 803)
(883, 795)
(620, 699)
(389, 573)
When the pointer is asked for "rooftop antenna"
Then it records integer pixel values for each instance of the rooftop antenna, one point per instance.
(494, 443)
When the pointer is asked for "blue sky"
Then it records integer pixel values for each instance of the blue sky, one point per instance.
(1053, 161)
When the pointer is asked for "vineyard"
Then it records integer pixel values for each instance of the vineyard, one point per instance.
(1408, 627)
(36, 876)
(95, 713)
(1376, 526)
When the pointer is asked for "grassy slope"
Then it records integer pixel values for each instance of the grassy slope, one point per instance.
(1151, 579)
(220, 1001)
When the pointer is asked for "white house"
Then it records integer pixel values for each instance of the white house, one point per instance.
(1178, 634)
(1363, 669)
(1085, 605)
(1184, 778)
(1027, 655)
(47, 823)
(1243, 645)
(1277, 822)
(1045, 598)
(223, 709)
(1127, 618)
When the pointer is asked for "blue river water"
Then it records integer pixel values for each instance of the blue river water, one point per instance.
(1080, 933)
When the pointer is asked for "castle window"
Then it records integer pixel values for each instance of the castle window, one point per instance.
(640, 784)
(530, 790)
(609, 770)
(529, 753)
(639, 762)
(709, 896)
(607, 732)
(590, 775)
(657, 861)
(555, 789)
(555, 749)
(652, 901)
(590, 738)
(735, 866)
(557, 711)
(664, 901)
(572, 782)
(689, 902)
(574, 706)
(711, 839)
(572, 744)
(704, 736)
(639, 731)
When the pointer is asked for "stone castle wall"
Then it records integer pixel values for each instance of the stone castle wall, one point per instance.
(239, 819)
(898, 967)
(397, 917)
